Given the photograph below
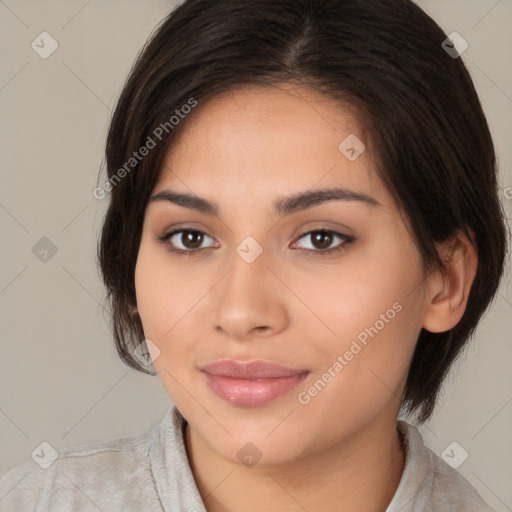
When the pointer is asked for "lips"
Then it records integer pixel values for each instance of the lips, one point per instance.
(249, 369)
(251, 383)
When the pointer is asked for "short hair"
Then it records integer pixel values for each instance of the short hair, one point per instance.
(416, 102)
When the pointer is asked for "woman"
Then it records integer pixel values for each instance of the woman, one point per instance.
(303, 233)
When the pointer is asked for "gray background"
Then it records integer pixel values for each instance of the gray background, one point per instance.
(61, 379)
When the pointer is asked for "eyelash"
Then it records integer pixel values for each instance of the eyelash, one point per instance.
(347, 240)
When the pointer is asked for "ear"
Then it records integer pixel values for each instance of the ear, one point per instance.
(448, 290)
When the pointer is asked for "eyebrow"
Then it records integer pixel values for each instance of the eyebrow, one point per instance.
(282, 206)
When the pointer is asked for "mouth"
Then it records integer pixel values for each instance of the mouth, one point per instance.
(251, 383)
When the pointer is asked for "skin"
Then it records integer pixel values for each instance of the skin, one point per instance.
(291, 306)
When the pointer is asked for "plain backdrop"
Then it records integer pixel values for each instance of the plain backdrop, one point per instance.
(61, 379)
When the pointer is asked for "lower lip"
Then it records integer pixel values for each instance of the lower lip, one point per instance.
(251, 393)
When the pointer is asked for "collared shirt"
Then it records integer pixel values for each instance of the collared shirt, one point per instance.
(150, 472)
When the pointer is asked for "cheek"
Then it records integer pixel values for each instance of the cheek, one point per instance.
(373, 305)
(167, 299)
(166, 291)
(363, 289)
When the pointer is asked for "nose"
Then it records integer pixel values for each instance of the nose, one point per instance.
(249, 301)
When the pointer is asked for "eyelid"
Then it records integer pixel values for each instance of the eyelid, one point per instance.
(168, 235)
(346, 239)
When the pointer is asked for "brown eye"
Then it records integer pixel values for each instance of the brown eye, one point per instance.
(191, 239)
(321, 241)
(185, 241)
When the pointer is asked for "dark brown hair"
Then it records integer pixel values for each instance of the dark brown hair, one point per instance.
(417, 103)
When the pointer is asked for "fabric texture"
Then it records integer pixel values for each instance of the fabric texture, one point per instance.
(150, 472)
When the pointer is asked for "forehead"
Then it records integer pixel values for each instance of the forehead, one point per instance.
(280, 138)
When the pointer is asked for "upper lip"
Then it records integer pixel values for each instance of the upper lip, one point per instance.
(257, 369)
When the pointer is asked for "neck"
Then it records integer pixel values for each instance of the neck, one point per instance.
(359, 473)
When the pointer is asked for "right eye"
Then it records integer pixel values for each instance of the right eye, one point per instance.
(184, 241)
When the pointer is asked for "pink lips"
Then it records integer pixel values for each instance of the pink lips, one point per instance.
(250, 383)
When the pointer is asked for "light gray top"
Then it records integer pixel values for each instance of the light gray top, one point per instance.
(150, 472)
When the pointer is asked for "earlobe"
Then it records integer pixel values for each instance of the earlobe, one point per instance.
(448, 290)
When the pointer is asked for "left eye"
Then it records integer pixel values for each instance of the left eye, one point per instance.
(321, 240)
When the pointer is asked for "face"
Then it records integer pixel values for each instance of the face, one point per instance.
(331, 288)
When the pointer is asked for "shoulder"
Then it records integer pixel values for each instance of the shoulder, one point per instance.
(435, 485)
(450, 489)
(82, 477)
